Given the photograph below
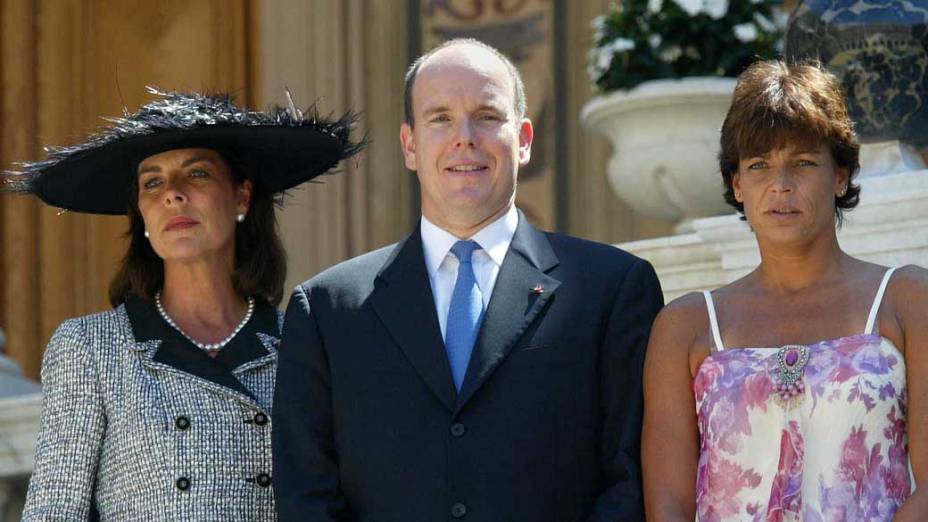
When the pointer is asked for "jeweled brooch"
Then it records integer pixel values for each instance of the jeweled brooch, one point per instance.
(791, 360)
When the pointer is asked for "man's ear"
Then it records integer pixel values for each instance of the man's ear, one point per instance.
(526, 135)
(408, 143)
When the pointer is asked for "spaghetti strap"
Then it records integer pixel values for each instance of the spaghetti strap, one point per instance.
(871, 319)
(713, 321)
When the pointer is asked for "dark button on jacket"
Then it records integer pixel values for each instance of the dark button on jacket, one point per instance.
(458, 510)
(458, 429)
(182, 422)
(182, 483)
(260, 418)
(263, 480)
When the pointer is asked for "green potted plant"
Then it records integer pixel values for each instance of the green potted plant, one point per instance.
(664, 72)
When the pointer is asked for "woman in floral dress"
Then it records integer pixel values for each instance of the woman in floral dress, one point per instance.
(800, 391)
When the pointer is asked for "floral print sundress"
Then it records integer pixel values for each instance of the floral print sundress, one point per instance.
(811, 433)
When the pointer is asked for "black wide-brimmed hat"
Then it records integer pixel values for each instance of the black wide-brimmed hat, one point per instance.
(284, 146)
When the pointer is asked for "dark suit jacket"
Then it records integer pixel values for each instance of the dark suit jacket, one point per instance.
(368, 425)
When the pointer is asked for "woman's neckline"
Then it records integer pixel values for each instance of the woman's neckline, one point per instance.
(812, 346)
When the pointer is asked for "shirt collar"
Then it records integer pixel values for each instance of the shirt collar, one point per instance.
(494, 239)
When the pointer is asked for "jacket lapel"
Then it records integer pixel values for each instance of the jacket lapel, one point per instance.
(239, 393)
(163, 349)
(402, 298)
(521, 291)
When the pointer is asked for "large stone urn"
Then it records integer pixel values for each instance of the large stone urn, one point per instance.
(665, 139)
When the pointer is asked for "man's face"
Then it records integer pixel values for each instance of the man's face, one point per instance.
(468, 142)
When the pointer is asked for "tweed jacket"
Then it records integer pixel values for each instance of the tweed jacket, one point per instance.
(137, 424)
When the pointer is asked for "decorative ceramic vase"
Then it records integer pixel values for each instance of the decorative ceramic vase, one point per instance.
(665, 138)
(879, 50)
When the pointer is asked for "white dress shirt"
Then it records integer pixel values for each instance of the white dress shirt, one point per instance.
(442, 266)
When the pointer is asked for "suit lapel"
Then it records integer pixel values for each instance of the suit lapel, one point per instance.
(521, 291)
(402, 298)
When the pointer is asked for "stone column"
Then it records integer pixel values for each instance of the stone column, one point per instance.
(340, 55)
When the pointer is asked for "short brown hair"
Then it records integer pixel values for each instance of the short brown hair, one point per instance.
(518, 96)
(776, 104)
(260, 259)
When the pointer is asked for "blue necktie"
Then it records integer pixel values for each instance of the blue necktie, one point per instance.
(464, 314)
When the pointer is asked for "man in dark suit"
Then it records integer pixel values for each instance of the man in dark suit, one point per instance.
(480, 369)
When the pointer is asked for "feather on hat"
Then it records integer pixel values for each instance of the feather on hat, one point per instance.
(286, 145)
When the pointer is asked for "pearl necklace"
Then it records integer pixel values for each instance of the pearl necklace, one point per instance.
(207, 347)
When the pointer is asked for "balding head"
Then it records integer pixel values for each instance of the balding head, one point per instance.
(470, 50)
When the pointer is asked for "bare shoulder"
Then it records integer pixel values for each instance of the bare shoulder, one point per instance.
(908, 289)
(911, 277)
(685, 308)
(681, 322)
(679, 329)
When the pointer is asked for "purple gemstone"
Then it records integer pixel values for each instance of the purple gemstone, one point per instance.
(792, 357)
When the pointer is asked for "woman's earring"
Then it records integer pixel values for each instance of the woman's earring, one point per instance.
(146, 234)
(240, 217)
(842, 192)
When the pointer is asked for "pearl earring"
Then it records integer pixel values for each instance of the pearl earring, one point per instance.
(240, 218)
(146, 234)
(842, 192)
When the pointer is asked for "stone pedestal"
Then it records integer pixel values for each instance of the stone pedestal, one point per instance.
(20, 408)
(890, 227)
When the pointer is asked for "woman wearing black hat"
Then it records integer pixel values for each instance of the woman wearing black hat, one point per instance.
(160, 408)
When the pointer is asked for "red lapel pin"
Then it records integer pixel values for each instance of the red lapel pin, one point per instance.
(538, 289)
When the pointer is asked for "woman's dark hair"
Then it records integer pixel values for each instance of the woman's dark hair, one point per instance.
(777, 104)
(260, 260)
